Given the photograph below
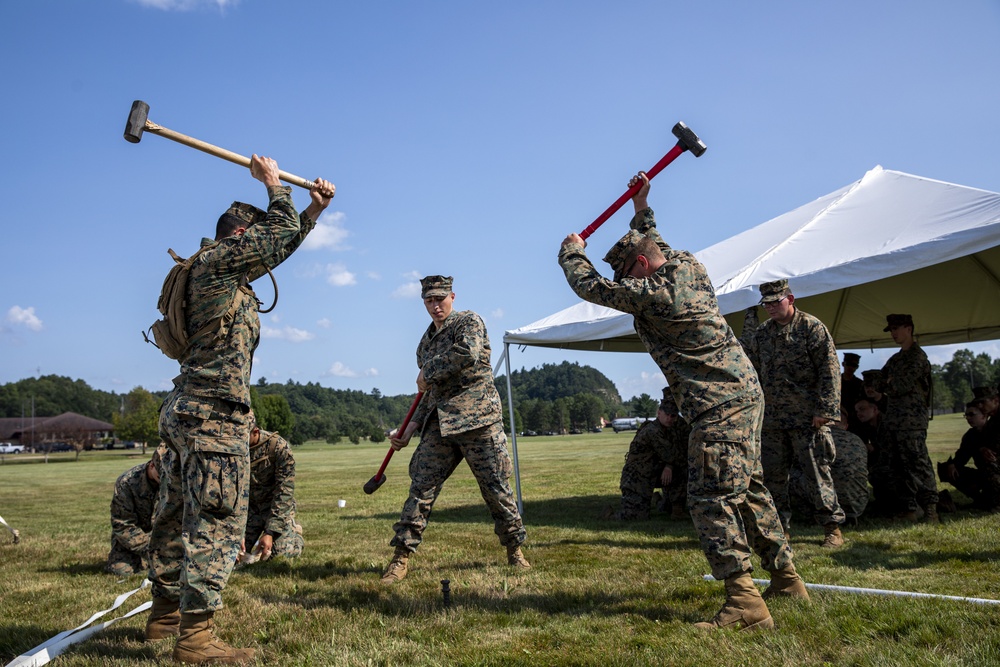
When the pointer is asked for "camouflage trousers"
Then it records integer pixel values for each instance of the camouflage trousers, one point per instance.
(850, 479)
(433, 462)
(641, 475)
(202, 508)
(730, 506)
(812, 450)
(123, 562)
(912, 477)
(288, 544)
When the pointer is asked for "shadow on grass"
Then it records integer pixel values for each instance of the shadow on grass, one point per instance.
(81, 569)
(569, 512)
(402, 601)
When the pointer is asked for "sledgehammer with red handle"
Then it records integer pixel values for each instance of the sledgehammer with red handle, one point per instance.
(686, 141)
(372, 485)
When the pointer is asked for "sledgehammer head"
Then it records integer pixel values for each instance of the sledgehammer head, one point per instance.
(137, 122)
(685, 137)
(372, 485)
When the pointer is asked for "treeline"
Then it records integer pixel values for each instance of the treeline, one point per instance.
(555, 397)
(953, 381)
(564, 397)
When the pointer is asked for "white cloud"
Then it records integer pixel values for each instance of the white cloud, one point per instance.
(291, 334)
(324, 323)
(373, 275)
(338, 275)
(329, 233)
(24, 317)
(410, 288)
(497, 314)
(185, 5)
(338, 369)
(645, 383)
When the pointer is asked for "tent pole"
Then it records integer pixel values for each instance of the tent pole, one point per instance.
(513, 430)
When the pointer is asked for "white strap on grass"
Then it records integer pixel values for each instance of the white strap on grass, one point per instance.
(877, 591)
(13, 531)
(48, 650)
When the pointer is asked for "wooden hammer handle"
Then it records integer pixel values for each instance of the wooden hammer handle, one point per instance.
(221, 152)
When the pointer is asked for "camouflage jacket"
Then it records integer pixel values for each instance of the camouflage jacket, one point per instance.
(851, 450)
(219, 366)
(906, 382)
(272, 483)
(669, 443)
(455, 360)
(677, 318)
(132, 508)
(798, 369)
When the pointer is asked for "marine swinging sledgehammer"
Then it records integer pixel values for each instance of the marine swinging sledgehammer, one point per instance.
(138, 122)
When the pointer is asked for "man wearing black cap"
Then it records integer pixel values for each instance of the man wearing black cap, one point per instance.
(205, 476)
(796, 361)
(459, 418)
(657, 457)
(713, 383)
(906, 385)
(852, 388)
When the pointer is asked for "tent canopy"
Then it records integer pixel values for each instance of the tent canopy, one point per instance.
(888, 243)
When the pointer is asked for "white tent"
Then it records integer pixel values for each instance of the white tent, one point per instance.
(888, 243)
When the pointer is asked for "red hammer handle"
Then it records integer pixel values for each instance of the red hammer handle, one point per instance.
(402, 427)
(653, 171)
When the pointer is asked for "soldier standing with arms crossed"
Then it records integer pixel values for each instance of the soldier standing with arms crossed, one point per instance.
(796, 361)
(205, 476)
(460, 418)
(714, 384)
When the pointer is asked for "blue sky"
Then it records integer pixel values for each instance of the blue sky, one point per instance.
(464, 138)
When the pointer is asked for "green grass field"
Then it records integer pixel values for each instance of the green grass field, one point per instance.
(599, 593)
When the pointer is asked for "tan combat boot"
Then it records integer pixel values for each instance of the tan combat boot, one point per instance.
(931, 514)
(398, 566)
(198, 645)
(786, 582)
(744, 608)
(834, 538)
(516, 558)
(164, 619)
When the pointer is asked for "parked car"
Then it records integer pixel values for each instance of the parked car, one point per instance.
(8, 448)
(597, 429)
(57, 447)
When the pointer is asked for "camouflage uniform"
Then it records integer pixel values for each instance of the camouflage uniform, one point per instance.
(799, 372)
(460, 418)
(272, 496)
(849, 472)
(713, 383)
(905, 382)
(131, 520)
(205, 479)
(654, 447)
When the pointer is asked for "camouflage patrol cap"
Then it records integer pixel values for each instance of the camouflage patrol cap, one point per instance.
(621, 251)
(898, 320)
(435, 287)
(774, 291)
(668, 404)
(984, 392)
(871, 376)
(247, 213)
(851, 359)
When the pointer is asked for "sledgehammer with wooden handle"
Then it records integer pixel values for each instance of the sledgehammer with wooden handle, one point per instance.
(138, 122)
(372, 485)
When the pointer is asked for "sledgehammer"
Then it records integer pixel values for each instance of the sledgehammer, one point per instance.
(686, 141)
(138, 122)
(372, 485)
